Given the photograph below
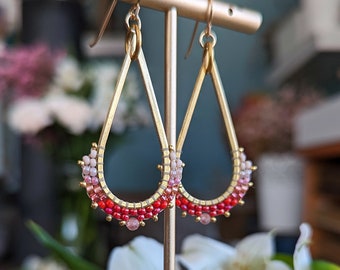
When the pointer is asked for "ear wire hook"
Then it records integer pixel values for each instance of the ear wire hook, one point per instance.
(208, 28)
(104, 24)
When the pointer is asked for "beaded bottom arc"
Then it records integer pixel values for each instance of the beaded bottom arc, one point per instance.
(130, 214)
(206, 211)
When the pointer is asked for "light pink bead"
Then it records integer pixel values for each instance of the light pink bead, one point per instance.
(93, 171)
(173, 165)
(132, 224)
(86, 160)
(205, 218)
(93, 162)
(93, 153)
(172, 156)
(86, 170)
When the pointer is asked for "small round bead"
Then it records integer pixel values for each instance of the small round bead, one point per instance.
(132, 224)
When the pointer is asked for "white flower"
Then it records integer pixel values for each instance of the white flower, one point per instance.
(71, 112)
(141, 253)
(28, 116)
(68, 74)
(201, 252)
(252, 253)
(302, 256)
(36, 263)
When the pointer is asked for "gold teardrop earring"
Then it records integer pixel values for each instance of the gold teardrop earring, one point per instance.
(131, 214)
(206, 211)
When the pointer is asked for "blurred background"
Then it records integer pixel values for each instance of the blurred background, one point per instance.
(282, 84)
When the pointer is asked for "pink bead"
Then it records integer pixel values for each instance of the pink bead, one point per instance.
(132, 224)
(95, 180)
(87, 179)
(171, 182)
(205, 218)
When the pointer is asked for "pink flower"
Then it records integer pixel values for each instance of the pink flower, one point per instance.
(26, 71)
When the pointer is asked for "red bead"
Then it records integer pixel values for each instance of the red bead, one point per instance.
(117, 215)
(109, 203)
(220, 212)
(198, 208)
(149, 208)
(234, 202)
(133, 212)
(213, 207)
(148, 215)
(164, 205)
(184, 207)
(191, 206)
(140, 217)
(101, 204)
(227, 201)
(198, 213)
(191, 212)
(141, 211)
(125, 211)
(220, 206)
(178, 202)
(184, 201)
(205, 208)
(116, 208)
(213, 213)
(125, 217)
(156, 204)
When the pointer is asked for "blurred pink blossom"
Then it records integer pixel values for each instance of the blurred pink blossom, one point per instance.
(26, 71)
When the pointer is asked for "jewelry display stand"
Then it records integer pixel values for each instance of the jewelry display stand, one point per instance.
(221, 14)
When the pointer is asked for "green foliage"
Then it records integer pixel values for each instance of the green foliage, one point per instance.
(323, 265)
(70, 259)
(288, 259)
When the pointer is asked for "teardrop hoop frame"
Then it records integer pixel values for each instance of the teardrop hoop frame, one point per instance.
(131, 214)
(206, 211)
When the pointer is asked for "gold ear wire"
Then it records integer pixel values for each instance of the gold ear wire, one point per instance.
(208, 28)
(104, 24)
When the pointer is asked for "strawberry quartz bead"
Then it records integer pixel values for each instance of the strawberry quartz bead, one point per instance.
(205, 219)
(132, 224)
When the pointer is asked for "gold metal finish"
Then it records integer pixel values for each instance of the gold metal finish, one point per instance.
(105, 23)
(224, 15)
(209, 67)
(162, 195)
(170, 128)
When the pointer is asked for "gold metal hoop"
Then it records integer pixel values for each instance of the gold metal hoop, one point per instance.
(131, 214)
(206, 211)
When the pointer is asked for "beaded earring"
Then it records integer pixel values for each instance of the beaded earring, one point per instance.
(206, 211)
(131, 214)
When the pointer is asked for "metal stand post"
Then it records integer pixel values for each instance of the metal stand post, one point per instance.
(170, 126)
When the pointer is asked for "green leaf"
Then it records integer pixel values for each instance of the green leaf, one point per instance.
(323, 265)
(288, 259)
(70, 259)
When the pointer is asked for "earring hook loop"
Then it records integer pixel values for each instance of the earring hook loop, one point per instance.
(207, 30)
(104, 24)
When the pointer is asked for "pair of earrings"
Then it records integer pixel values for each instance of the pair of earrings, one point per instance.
(170, 189)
